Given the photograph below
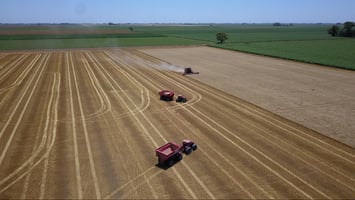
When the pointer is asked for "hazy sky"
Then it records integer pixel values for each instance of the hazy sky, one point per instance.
(176, 11)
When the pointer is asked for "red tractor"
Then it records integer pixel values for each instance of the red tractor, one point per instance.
(166, 95)
(181, 98)
(170, 153)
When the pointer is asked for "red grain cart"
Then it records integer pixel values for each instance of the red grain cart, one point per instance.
(166, 95)
(170, 153)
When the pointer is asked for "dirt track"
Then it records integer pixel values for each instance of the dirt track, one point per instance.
(84, 124)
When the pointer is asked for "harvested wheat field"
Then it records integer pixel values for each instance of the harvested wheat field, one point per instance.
(85, 124)
(320, 98)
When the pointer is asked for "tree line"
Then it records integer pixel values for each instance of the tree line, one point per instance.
(345, 30)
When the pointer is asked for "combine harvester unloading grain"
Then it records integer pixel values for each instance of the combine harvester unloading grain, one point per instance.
(188, 71)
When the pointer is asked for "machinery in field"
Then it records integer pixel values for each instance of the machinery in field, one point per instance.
(166, 95)
(181, 99)
(188, 70)
(170, 153)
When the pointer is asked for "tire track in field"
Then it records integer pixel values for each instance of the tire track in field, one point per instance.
(144, 94)
(34, 151)
(103, 98)
(51, 113)
(133, 57)
(86, 135)
(70, 65)
(100, 68)
(19, 79)
(97, 86)
(12, 66)
(47, 144)
(12, 134)
(9, 73)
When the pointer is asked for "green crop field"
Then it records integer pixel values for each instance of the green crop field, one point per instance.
(301, 42)
(93, 43)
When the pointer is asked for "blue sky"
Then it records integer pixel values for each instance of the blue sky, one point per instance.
(176, 11)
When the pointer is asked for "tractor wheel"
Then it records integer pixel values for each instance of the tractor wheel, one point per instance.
(170, 163)
(194, 147)
(179, 157)
(188, 150)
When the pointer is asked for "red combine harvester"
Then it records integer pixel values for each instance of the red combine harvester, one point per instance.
(188, 70)
(166, 95)
(170, 153)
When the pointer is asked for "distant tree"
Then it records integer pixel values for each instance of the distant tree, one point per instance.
(221, 37)
(352, 31)
(334, 30)
(131, 28)
(348, 30)
(349, 25)
(277, 24)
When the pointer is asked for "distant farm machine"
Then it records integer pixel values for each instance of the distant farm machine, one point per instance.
(188, 71)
